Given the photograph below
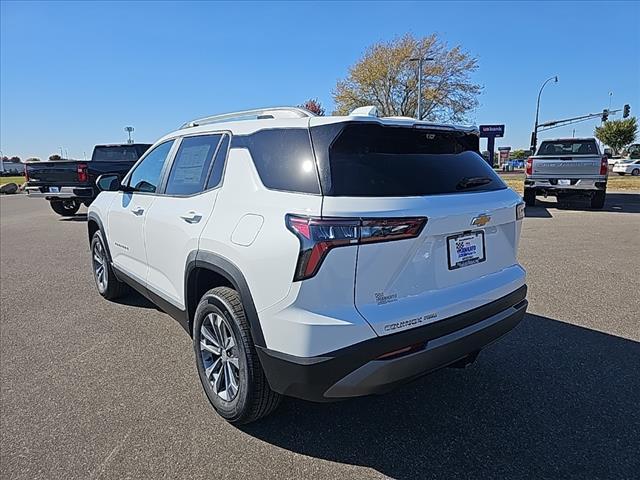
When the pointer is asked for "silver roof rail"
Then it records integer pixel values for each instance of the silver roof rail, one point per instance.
(256, 114)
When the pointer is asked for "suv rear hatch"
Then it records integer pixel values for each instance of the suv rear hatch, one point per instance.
(567, 159)
(464, 254)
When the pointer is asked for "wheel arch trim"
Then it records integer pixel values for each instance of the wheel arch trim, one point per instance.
(93, 217)
(228, 270)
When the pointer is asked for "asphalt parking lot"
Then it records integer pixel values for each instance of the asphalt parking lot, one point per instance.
(93, 389)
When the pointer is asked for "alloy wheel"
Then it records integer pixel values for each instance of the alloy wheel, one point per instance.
(219, 353)
(100, 266)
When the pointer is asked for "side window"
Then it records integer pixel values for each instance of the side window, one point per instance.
(146, 176)
(190, 169)
(218, 164)
(284, 159)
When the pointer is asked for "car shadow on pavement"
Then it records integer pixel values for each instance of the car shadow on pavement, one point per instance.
(550, 400)
(135, 299)
(615, 202)
(537, 212)
(78, 217)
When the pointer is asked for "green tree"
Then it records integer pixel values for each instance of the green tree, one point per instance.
(387, 78)
(519, 154)
(617, 134)
(313, 105)
(32, 159)
(55, 157)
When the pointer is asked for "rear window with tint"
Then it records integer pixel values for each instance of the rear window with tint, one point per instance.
(568, 147)
(379, 161)
(127, 153)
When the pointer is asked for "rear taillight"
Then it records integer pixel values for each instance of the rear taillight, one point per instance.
(26, 173)
(318, 236)
(529, 166)
(604, 166)
(83, 176)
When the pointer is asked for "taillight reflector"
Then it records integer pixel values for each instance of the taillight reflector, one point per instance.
(529, 166)
(318, 236)
(604, 166)
(83, 176)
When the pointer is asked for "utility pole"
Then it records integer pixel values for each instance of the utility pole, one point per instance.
(534, 135)
(420, 61)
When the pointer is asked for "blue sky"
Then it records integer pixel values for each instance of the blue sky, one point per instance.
(74, 74)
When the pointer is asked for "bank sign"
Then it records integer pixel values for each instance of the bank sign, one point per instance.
(491, 130)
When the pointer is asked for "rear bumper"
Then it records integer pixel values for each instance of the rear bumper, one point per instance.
(357, 370)
(65, 193)
(576, 184)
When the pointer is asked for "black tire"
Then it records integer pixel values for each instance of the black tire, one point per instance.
(529, 197)
(253, 398)
(597, 201)
(109, 287)
(65, 208)
(635, 172)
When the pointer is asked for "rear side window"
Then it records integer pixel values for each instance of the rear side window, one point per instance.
(283, 158)
(568, 147)
(190, 168)
(378, 161)
(215, 177)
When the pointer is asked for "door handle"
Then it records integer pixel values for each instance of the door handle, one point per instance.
(138, 211)
(191, 217)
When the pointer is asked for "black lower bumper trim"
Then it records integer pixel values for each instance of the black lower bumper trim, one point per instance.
(354, 370)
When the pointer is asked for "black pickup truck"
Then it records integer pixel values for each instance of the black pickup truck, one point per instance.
(67, 184)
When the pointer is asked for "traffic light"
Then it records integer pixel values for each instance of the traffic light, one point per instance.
(625, 111)
(605, 115)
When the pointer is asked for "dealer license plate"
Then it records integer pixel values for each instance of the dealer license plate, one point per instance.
(564, 182)
(466, 249)
(54, 189)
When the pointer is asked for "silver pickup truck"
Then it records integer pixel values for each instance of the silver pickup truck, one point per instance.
(566, 167)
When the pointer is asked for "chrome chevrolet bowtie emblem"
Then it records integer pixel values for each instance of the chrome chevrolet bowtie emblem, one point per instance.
(481, 220)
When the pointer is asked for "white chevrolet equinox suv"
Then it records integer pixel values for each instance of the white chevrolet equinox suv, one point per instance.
(317, 257)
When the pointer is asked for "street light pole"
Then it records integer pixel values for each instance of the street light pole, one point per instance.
(420, 61)
(534, 137)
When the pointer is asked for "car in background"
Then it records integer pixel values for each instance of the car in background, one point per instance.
(566, 167)
(632, 151)
(67, 184)
(629, 166)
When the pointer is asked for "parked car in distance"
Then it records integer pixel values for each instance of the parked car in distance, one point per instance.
(611, 160)
(632, 151)
(67, 184)
(565, 167)
(318, 257)
(629, 166)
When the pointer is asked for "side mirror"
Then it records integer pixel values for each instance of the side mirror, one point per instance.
(108, 183)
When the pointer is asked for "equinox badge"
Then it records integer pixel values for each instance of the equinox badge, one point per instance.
(481, 220)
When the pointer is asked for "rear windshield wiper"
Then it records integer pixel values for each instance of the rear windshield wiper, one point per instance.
(470, 182)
